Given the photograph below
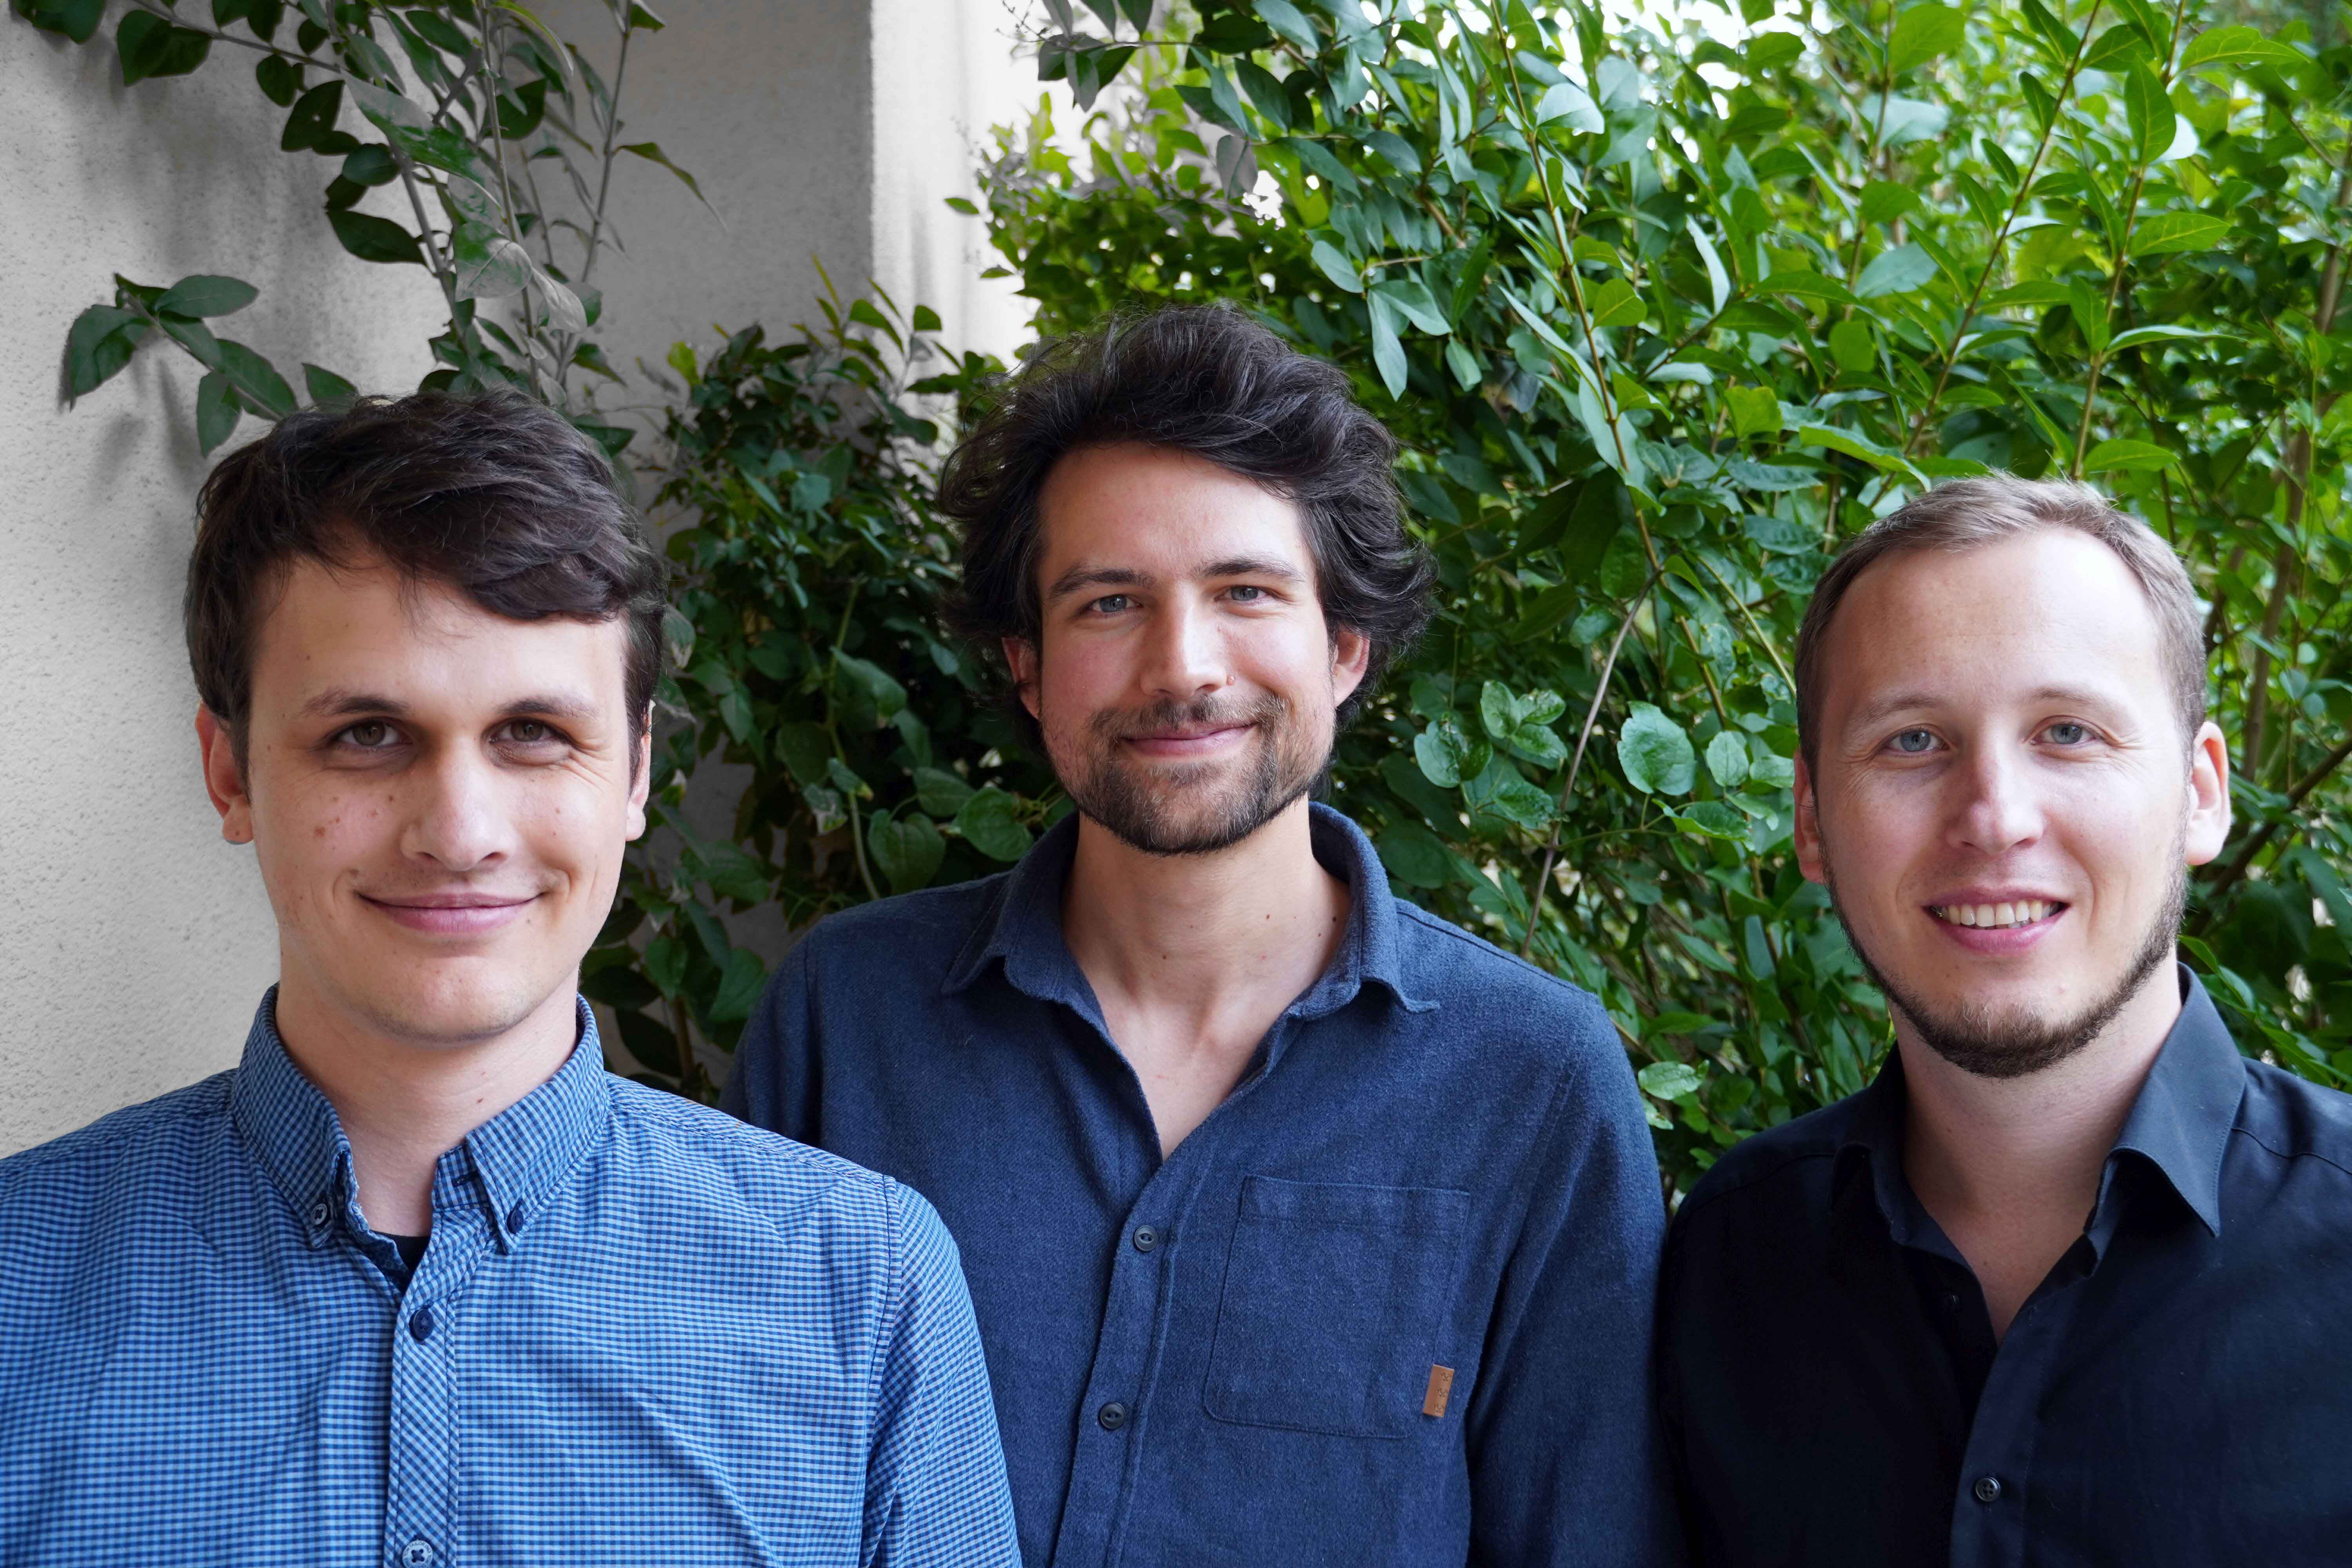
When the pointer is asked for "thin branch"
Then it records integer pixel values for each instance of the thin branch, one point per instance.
(2270, 830)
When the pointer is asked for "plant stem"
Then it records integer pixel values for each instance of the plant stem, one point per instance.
(1575, 764)
(604, 179)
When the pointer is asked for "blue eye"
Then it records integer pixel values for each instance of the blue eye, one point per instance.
(1911, 743)
(2066, 732)
(1246, 593)
(1109, 603)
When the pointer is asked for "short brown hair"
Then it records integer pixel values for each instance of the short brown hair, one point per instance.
(1962, 514)
(1209, 381)
(491, 493)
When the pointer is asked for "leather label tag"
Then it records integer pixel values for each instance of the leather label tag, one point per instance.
(1441, 1390)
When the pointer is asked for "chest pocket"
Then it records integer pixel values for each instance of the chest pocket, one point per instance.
(1335, 1297)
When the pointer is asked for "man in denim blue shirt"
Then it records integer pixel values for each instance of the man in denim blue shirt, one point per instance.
(1303, 1228)
(418, 1283)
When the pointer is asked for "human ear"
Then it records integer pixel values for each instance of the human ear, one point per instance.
(1021, 658)
(2208, 828)
(641, 771)
(224, 777)
(1807, 829)
(1352, 655)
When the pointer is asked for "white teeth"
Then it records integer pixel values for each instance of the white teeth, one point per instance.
(2021, 912)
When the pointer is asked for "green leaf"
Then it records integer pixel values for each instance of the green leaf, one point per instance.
(990, 822)
(216, 412)
(1855, 347)
(99, 344)
(2160, 334)
(1410, 296)
(1669, 1080)
(1564, 100)
(148, 45)
(1655, 754)
(1447, 756)
(652, 153)
(2237, 45)
(2149, 113)
(1895, 271)
(313, 117)
(1884, 200)
(488, 265)
(1615, 304)
(940, 793)
(1286, 20)
(1414, 856)
(1521, 725)
(1853, 445)
(1726, 758)
(281, 80)
(1338, 268)
(1500, 790)
(257, 379)
(372, 238)
(2133, 455)
(739, 987)
(77, 19)
(204, 295)
(2175, 231)
(1388, 353)
(1755, 411)
(907, 849)
(1922, 33)
(325, 385)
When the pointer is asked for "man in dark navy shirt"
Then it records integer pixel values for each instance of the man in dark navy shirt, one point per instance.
(1302, 1228)
(2070, 1283)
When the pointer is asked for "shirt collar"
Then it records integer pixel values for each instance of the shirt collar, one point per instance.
(1021, 926)
(508, 1165)
(2179, 1124)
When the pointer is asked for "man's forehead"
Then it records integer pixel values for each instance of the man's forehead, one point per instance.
(2024, 619)
(1103, 504)
(328, 623)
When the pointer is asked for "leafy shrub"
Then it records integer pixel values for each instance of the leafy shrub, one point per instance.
(1660, 320)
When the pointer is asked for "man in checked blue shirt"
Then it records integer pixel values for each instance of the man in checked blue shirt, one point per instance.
(1303, 1228)
(418, 1284)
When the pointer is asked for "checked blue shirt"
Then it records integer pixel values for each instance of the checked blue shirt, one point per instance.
(642, 1333)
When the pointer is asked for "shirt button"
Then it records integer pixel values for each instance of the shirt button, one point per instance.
(417, 1554)
(319, 1213)
(1112, 1415)
(420, 1329)
(514, 1220)
(1146, 1238)
(1986, 1490)
(1950, 1301)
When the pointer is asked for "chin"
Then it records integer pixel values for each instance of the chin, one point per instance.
(449, 1010)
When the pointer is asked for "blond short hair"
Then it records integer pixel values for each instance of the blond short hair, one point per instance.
(1962, 514)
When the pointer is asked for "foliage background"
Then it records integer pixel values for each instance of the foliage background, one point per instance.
(1662, 309)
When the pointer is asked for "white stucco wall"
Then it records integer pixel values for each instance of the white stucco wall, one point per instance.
(133, 942)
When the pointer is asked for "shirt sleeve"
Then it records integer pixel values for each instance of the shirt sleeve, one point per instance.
(1566, 1462)
(935, 1488)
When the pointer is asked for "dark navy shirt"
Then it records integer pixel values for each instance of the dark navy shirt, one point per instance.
(2177, 1391)
(1389, 1304)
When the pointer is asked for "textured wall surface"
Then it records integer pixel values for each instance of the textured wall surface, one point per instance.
(133, 942)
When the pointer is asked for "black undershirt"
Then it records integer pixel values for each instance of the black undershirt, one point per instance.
(412, 1250)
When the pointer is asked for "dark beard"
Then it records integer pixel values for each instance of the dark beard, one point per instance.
(1123, 797)
(1977, 1040)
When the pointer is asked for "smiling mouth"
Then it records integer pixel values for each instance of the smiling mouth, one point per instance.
(2006, 916)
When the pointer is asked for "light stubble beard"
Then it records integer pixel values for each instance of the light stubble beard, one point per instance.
(1978, 1041)
(1180, 809)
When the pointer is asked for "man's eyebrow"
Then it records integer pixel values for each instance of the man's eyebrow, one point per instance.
(1883, 708)
(1255, 566)
(1079, 577)
(342, 702)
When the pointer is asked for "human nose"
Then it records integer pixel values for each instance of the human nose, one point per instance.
(1999, 809)
(1186, 656)
(456, 816)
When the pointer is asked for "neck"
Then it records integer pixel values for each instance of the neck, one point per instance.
(2010, 1167)
(404, 1102)
(1187, 931)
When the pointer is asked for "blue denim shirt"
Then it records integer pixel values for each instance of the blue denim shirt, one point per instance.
(1389, 1304)
(641, 1334)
